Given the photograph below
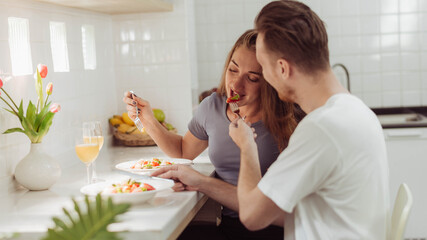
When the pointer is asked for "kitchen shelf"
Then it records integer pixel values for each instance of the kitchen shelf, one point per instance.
(114, 7)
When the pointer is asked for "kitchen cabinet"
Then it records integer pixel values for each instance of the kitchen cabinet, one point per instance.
(115, 6)
(407, 154)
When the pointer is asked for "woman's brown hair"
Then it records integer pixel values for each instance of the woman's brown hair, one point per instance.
(280, 118)
(293, 31)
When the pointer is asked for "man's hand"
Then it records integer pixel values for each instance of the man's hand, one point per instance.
(187, 178)
(242, 134)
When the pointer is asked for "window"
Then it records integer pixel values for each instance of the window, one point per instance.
(58, 44)
(88, 44)
(19, 43)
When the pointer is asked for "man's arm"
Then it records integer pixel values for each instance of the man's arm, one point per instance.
(256, 211)
(190, 179)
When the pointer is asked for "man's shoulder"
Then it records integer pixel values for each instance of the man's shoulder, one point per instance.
(343, 110)
(341, 117)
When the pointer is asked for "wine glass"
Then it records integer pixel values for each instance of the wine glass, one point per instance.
(97, 133)
(87, 148)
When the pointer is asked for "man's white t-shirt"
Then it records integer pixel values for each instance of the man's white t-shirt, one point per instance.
(333, 178)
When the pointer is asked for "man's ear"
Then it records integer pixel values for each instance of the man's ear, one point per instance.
(284, 66)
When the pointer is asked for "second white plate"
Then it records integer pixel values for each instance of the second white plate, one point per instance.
(126, 166)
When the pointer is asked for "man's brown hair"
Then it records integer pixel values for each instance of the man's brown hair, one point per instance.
(296, 33)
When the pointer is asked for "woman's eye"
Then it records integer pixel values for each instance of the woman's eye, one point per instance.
(252, 79)
(232, 70)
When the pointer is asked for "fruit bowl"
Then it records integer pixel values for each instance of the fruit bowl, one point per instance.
(128, 135)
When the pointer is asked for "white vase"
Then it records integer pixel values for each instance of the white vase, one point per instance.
(37, 170)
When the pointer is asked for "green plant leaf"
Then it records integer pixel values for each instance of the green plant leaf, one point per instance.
(12, 130)
(21, 111)
(11, 112)
(45, 124)
(28, 127)
(31, 113)
(41, 116)
(90, 224)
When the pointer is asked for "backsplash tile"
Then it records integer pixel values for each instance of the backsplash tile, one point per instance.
(78, 91)
(153, 59)
(373, 38)
(167, 56)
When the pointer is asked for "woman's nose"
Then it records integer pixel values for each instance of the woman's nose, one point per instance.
(239, 82)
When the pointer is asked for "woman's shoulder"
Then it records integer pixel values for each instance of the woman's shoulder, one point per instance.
(213, 101)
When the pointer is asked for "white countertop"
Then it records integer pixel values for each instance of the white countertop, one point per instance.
(163, 217)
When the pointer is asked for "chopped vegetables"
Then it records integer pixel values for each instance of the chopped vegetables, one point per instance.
(153, 164)
(234, 98)
(129, 186)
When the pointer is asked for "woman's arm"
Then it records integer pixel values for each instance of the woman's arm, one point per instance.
(172, 144)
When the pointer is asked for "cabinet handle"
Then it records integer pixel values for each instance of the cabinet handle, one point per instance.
(407, 133)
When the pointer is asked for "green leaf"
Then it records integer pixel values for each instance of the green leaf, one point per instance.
(39, 88)
(78, 226)
(59, 223)
(54, 235)
(41, 116)
(45, 124)
(28, 128)
(12, 130)
(11, 112)
(31, 113)
(21, 111)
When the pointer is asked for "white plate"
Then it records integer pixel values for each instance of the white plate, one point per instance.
(125, 166)
(159, 184)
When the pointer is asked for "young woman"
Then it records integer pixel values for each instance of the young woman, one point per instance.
(273, 121)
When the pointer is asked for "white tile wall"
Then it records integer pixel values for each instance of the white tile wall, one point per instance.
(83, 95)
(152, 53)
(382, 39)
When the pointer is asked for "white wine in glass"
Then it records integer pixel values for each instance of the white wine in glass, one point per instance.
(87, 148)
(97, 129)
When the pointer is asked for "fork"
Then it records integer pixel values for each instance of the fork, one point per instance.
(137, 121)
(235, 109)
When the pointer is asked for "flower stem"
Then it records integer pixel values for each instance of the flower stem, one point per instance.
(4, 100)
(37, 106)
(45, 103)
(10, 100)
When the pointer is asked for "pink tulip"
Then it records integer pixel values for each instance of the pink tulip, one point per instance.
(55, 108)
(49, 88)
(1, 83)
(42, 70)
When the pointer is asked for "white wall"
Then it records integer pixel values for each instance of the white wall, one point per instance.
(83, 94)
(152, 53)
(383, 43)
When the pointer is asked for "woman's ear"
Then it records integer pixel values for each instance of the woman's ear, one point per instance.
(284, 67)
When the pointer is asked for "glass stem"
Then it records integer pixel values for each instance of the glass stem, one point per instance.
(94, 177)
(89, 177)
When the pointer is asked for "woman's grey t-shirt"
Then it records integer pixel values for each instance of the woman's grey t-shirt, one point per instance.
(211, 123)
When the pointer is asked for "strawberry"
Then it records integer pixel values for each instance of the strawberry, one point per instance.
(148, 187)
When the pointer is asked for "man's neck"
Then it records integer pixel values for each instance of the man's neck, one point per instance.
(315, 90)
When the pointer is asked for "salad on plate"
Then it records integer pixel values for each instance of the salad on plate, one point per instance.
(155, 163)
(129, 186)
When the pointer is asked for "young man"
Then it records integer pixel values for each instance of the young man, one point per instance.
(331, 182)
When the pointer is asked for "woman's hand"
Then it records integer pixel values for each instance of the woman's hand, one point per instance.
(242, 134)
(145, 113)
